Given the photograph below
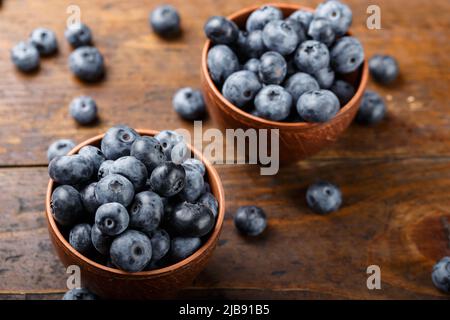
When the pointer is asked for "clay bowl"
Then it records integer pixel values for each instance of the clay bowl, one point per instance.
(156, 284)
(296, 140)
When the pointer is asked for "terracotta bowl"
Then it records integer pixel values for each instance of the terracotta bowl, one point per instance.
(156, 284)
(297, 140)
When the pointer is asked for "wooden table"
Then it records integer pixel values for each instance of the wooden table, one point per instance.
(395, 177)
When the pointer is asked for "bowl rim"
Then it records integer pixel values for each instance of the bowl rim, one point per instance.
(213, 178)
(269, 123)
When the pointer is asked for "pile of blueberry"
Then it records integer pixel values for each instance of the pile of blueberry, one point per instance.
(136, 203)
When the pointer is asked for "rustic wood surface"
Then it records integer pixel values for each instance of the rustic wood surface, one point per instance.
(395, 176)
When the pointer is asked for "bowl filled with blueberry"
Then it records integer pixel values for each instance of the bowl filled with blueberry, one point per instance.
(139, 211)
(285, 67)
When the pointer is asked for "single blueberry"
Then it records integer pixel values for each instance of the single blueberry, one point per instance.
(183, 247)
(93, 154)
(193, 186)
(80, 238)
(302, 16)
(114, 188)
(83, 109)
(66, 205)
(59, 148)
(79, 294)
(25, 57)
(78, 35)
(90, 202)
(280, 36)
(173, 146)
(300, 83)
(87, 64)
(383, 68)
(273, 68)
(72, 170)
(252, 65)
(194, 164)
(105, 169)
(208, 200)
(323, 197)
(320, 29)
(160, 240)
(149, 151)
(339, 14)
(132, 169)
(165, 21)
(189, 103)
(191, 220)
(273, 102)
(117, 142)
(343, 90)
(311, 56)
(44, 40)
(222, 62)
(372, 108)
(250, 220)
(255, 46)
(241, 87)
(298, 28)
(131, 251)
(168, 179)
(146, 211)
(441, 274)
(346, 55)
(221, 30)
(325, 77)
(101, 242)
(261, 16)
(112, 218)
(318, 106)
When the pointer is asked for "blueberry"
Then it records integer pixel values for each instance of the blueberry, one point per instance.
(189, 103)
(252, 65)
(183, 247)
(347, 55)
(100, 241)
(273, 68)
(44, 40)
(193, 186)
(261, 16)
(131, 251)
(117, 142)
(168, 179)
(208, 200)
(165, 21)
(255, 46)
(114, 188)
(343, 90)
(160, 240)
(149, 151)
(78, 35)
(173, 146)
(72, 170)
(241, 87)
(441, 274)
(59, 148)
(222, 62)
(280, 36)
(323, 197)
(191, 220)
(25, 57)
(383, 68)
(250, 220)
(273, 102)
(311, 56)
(320, 29)
(93, 154)
(90, 202)
(66, 205)
(220, 30)
(324, 77)
(105, 169)
(337, 13)
(300, 83)
(302, 16)
(146, 211)
(112, 218)
(80, 238)
(79, 294)
(372, 108)
(318, 106)
(194, 164)
(132, 169)
(87, 64)
(83, 109)
(298, 28)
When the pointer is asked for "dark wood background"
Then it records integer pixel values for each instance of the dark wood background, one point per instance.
(395, 177)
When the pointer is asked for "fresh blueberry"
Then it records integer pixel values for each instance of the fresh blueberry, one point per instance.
(59, 148)
(252, 65)
(324, 77)
(117, 142)
(255, 46)
(173, 146)
(241, 87)
(318, 106)
(189, 104)
(66, 205)
(261, 16)
(441, 274)
(79, 294)
(302, 16)
(280, 36)
(273, 102)
(160, 240)
(273, 68)
(193, 186)
(70, 170)
(372, 108)
(44, 40)
(112, 218)
(78, 35)
(220, 30)
(146, 211)
(383, 68)
(323, 197)
(222, 62)
(298, 28)
(90, 202)
(131, 251)
(132, 169)
(339, 14)
(105, 169)
(83, 109)
(191, 220)
(165, 21)
(343, 90)
(320, 29)
(194, 164)
(80, 238)
(25, 57)
(101, 242)
(311, 56)
(250, 220)
(168, 179)
(183, 247)
(93, 154)
(209, 201)
(114, 188)
(87, 64)
(347, 55)
(149, 151)
(300, 83)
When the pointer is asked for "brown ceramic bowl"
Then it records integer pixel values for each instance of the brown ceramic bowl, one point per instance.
(156, 284)
(297, 140)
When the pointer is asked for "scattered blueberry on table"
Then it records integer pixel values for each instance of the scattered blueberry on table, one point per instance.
(250, 220)
(165, 21)
(25, 57)
(83, 109)
(323, 197)
(78, 35)
(87, 64)
(372, 108)
(441, 274)
(189, 103)
(383, 68)
(45, 41)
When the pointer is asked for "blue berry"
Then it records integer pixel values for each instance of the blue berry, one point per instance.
(90, 202)
(78, 35)
(194, 164)
(93, 154)
(441, 274)
(252, 65)
(160, 240)
(346, 55)
(112, 218)
(323, 197)
(383, 68)
(70, 170)
(117, 142)
(318, 106)
(343, 90)
(222, 62)
(193, 186)
(189, 104)
(44, 40)
(241, 87)
(183, 247)
(165, 21)
(273, 68)
(320, 29)
(66, 205)
(80, 238)
(83, 109)
(250, 220)
(105, 169)
(325, 77)
(59, 148)
(79, 294)
(280, 36)
(209, 201)
(311, 56)
(300, 83)
(149, 151)
(273, 102)
(298, 28)
(173, 146)
(131, 251)
(87, 64)
(220, 30)
(372, 108)
(146, 211)
(100, 241)
(191, 220)
(337, 13)
(25, 57)
(114, 188)
(255, 46)
(261, 16)
(168, 179)
(132, 169)
(302, 16)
